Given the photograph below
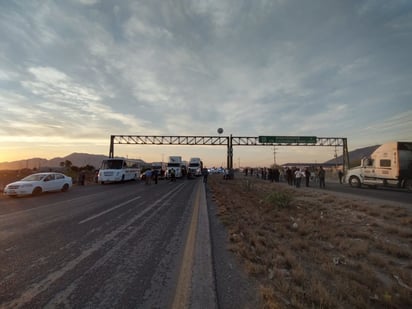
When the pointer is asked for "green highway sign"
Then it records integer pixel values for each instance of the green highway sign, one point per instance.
(288, 139)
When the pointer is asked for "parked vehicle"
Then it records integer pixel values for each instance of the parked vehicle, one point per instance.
(118, 170)
(38, 183)
(160, 167)
(389, 165)
(195, 167)
(175, 163)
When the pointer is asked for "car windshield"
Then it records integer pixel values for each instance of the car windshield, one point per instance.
(34, 177)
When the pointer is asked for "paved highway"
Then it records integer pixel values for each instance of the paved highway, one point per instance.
(125, 245)
(392, 195)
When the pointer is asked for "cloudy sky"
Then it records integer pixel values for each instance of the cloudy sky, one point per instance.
(72, 73)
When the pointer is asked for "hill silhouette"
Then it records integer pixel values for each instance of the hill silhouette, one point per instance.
(354, 155)
(77, 159)
(83, 159)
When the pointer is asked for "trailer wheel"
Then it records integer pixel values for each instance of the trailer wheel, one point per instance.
(354, 182)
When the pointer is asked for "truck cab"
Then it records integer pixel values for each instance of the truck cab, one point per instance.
(195, 166)
(175, 164)
(389, 165)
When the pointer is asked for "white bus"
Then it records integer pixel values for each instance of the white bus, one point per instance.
(118, 170)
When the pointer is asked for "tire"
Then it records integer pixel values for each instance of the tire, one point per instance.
(354, 182)
(37, 191)
(65, 187)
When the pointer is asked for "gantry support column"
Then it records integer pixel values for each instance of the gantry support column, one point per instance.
(345, 156)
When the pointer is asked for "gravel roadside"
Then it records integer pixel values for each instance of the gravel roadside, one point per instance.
(234, 288)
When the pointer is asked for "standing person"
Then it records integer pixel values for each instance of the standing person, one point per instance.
(294, 176)
(155, 175)
(276, 174)
(172, 175)
(148, 176)
(307, 175)
(298, 177)
(289, 176)
(321, 175)
(205, 173)
(340, 174)
(82, 178)
(271, 176)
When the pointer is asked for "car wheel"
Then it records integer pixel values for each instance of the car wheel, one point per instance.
(37, 191)
(65, 187)
(354, 182)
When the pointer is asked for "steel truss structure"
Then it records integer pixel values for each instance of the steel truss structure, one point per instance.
(219, 140)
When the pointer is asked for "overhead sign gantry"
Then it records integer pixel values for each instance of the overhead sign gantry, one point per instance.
(231, 141)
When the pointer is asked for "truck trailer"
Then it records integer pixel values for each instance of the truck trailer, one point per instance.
(390, 165)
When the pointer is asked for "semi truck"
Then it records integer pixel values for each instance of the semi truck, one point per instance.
(175, 163)
(195, 166)
(160, 168)
(390, 165)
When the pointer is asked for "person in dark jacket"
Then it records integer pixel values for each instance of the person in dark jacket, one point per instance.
(321, 175)
(340, 174)
(205, 173)
(307, 176)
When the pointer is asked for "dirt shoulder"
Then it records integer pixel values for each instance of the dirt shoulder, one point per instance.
(308, 248)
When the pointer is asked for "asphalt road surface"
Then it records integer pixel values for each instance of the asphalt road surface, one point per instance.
(392, 195)
(125, 245)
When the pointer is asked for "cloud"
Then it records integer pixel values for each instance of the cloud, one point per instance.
(88, 69)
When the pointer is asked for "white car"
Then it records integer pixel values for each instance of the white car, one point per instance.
(38, 183)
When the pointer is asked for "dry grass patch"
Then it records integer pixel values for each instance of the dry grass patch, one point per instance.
(311, 249)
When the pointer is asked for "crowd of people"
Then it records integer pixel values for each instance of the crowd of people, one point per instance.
(294, 176)
(150, 175)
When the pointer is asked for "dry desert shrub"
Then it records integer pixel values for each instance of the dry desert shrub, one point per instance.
(311, 249)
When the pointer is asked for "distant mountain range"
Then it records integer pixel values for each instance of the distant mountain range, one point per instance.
(354, 155)
(77, 159)
(83, 159)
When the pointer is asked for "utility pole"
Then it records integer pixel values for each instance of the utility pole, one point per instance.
(274, 156)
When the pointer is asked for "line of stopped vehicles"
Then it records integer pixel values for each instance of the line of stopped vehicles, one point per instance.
(111, 170)
(390, 165)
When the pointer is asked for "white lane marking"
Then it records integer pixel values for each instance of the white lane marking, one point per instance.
(41, 286)
(109, 210)
(37, 208)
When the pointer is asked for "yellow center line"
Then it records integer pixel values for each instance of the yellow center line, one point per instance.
(182, 294)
